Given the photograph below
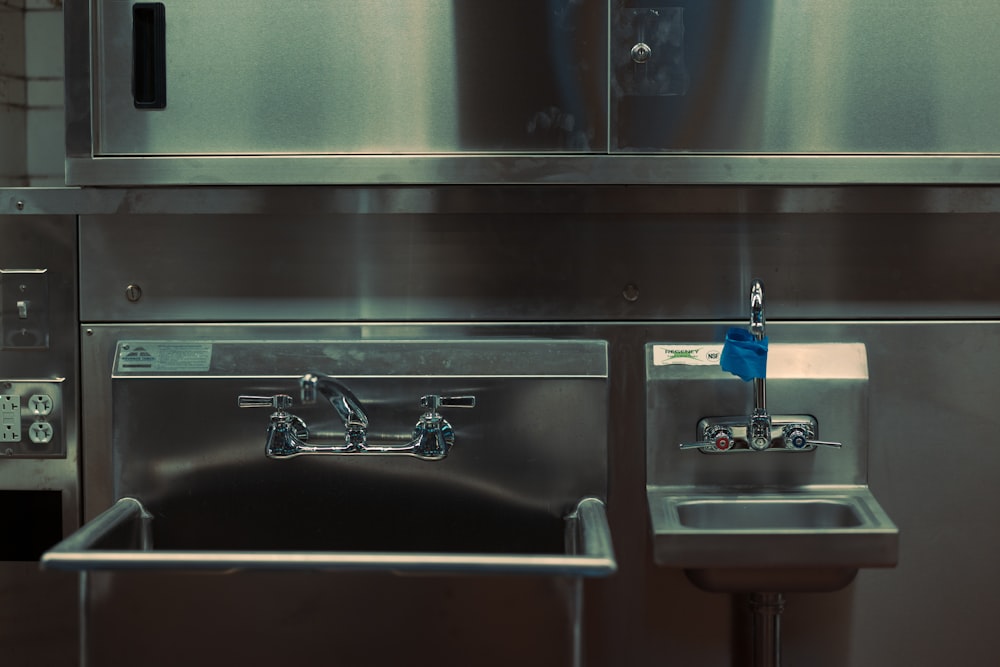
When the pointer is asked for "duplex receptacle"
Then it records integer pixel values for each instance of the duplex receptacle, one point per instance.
(10, 418)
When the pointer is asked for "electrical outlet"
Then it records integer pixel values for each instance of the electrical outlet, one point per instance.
(10, 418)
(40, 404)
(40, 433)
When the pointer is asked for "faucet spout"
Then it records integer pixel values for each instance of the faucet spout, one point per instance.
(757, 309)
(346, 404)
(760, 421)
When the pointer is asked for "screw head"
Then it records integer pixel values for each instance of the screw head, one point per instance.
(630, 292)
(133, 293)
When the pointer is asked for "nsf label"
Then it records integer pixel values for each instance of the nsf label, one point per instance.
(686, 355)
(163, 357)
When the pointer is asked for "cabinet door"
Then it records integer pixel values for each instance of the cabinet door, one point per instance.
(838, 76)
(243, 77)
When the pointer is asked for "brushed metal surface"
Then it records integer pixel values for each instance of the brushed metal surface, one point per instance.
(533, 446)
(922, 254)
(537, 435)
(558, 264)
(827, 381)
(806, 540)
(46, 242)
(326, 77)
(929, 381)
(492, 169)
(616, 200)
(851, 76)
(39, 623)
(846, 92)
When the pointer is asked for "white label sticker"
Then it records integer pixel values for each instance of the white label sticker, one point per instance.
(686, 355)
(151, 357)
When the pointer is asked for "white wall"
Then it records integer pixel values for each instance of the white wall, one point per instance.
(32, 146)
(13, 95)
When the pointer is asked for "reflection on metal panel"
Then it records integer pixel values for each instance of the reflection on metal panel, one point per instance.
(523, 266)
(338, 77)
(853, 76)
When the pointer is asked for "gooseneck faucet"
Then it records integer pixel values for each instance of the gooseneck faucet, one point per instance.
(760, 420)
(288, 435)
(761, 431)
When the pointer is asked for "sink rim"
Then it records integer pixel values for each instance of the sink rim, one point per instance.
(872, 543)
(675, 507)
(589, 551)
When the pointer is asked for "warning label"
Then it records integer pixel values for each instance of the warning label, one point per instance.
(162, 357)
(686, 355)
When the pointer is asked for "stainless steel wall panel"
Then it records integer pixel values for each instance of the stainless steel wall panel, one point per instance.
(38, 619)
(523, 267)
(296, 202)
(37, 242)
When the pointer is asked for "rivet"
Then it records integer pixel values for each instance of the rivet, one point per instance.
(19, 205)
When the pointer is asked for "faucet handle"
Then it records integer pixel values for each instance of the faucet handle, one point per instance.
(432, 402)
(433, 435)
(717, 439)
(801, 436)
(276, 402)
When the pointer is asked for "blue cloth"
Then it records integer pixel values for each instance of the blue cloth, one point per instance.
(744, 355)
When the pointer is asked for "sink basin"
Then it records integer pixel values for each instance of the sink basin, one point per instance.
(802, 540)
(767, 514)
(472, 540)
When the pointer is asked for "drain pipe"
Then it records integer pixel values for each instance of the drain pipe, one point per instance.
(766, 609)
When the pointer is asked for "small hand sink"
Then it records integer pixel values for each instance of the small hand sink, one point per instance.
(767, 514)
(802, 540)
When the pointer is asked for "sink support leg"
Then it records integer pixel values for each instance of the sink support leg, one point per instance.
(766, 609)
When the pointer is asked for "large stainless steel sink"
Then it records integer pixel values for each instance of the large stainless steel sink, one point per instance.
(189, 485)
(128, 537)
(800, 540)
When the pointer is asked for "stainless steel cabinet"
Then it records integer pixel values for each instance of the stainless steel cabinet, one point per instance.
(530, 91)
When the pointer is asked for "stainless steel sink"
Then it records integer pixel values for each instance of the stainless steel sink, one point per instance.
(128, 537)
(779, 519)
(186, 480)
(799, 540)
(768, 514)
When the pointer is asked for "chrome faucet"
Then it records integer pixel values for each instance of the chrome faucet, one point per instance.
(348, 407)
(759, 433)
(762, 431)
(288, 435)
